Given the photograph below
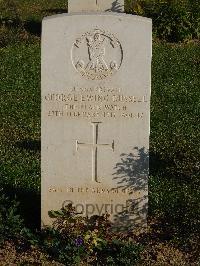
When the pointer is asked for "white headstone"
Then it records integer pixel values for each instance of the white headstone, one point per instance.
(96, 76)
(95, 5)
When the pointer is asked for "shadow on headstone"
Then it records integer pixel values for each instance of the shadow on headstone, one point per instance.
(116, 7)
(132, 173)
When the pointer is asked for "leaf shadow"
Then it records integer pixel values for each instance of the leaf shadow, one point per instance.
(116, 7)
(131, 174)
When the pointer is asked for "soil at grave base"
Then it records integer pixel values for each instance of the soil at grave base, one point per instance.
(12, 254)
(156, 252)
(160, 251)
(155, 255)
(164, 255)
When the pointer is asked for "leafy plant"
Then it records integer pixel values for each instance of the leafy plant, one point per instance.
(11, 223)
(90, 240)
(91, 232)
(173, 20)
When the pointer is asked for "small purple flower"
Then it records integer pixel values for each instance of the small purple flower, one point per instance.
(79, 241)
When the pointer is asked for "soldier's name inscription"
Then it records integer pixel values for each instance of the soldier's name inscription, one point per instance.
(94, 103)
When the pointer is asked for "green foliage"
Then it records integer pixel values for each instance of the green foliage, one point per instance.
(91, 240)
(34, 10)
(173, 20)
(11, 223)
(92, 232)
(121, 253)
(9, 11)
(76, 240)
(57, 245)
(20, 21)
(9, 17)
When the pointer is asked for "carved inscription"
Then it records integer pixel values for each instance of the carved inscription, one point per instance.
(97, 54)
(95, 146)
(94, 103)
(93, 190)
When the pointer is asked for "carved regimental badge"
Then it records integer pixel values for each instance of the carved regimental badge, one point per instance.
(97, 54)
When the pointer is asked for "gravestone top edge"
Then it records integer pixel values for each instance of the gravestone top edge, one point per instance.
(113, 14)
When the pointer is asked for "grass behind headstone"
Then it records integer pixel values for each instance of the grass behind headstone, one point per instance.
(20, 126)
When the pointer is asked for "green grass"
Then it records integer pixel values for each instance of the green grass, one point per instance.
(35, 10)
(175, 108)
(20, 115)
(175, 135)
(175, 130)
(20, 21)
(20, 126)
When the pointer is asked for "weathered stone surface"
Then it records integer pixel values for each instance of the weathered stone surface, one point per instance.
(96, 115)
(95, 6)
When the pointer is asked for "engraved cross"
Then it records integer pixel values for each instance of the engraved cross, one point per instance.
(95, 145)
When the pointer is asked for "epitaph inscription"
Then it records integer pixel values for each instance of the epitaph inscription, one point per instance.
(97, 54)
